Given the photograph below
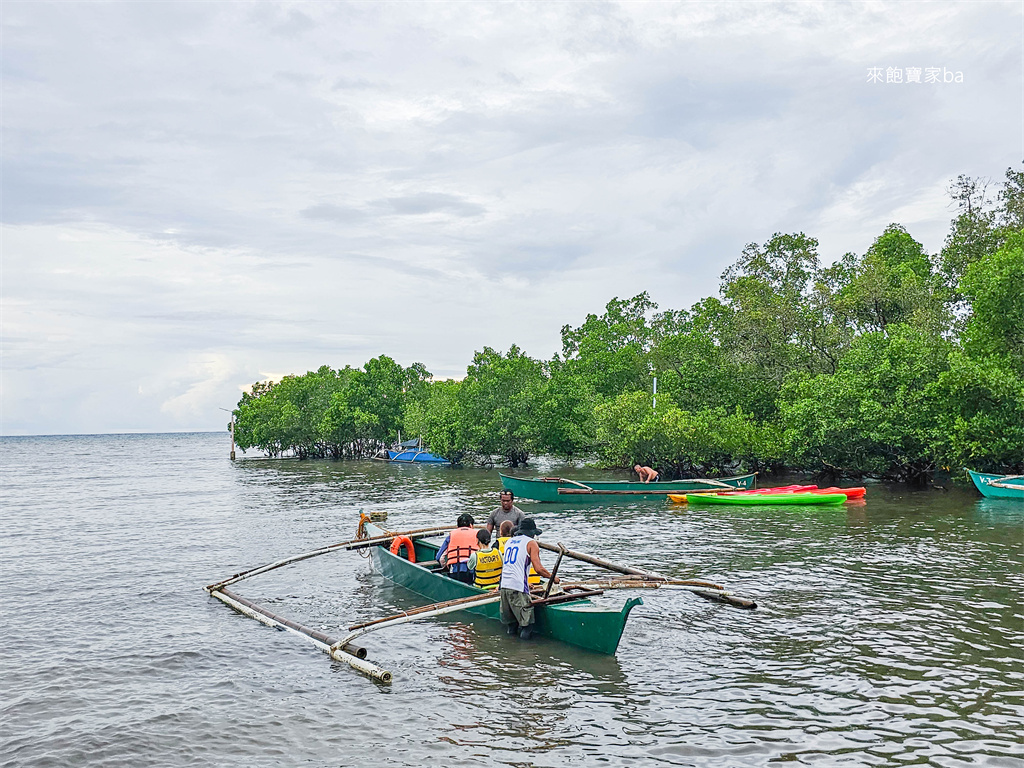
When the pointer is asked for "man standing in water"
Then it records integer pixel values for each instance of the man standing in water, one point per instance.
(507, 511)
(521, 552)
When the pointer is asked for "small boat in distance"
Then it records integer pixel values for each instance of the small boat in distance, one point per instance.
(999, 486)
(560, 489)
(410, 452)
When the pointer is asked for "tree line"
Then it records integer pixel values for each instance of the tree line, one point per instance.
(893, 363)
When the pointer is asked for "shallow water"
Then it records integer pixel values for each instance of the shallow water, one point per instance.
(888, 632)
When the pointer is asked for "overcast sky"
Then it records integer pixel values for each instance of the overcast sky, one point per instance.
(199, 195)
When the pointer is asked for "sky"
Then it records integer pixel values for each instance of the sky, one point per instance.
(200, 195)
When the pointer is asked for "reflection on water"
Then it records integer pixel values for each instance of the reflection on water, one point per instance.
(889, 630)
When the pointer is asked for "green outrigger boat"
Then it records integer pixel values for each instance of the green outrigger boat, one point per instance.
(999, 486)
(578, 622)
(565, 491)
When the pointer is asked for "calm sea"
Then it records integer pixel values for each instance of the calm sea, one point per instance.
(888, 633)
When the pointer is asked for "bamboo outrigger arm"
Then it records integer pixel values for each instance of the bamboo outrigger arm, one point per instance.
(706, 590)
(419, 533)
(343, 651)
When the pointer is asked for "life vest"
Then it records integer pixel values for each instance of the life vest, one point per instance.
(502, 541)
(462, 543)
(488, 568)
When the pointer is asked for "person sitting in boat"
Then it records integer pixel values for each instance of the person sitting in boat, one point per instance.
(507, 511)
(485, 563)
(457, 547)
(506, 534)
(516, 604)
(646, 474)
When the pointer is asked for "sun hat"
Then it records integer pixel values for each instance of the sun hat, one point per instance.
(528, 528)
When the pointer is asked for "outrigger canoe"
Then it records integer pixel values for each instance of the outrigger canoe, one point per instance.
(999, 486)
(577, 622)
(761, 499)
(565, 491)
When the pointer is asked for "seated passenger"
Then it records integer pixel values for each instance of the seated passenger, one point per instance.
(485, 563)
(456, 549)
(504, 534)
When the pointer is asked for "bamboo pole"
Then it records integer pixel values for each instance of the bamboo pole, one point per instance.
(419, 533)
(607, 564)
(554, 571)
(708, 592)
(462, 601)
(405, 618)
(334, 650)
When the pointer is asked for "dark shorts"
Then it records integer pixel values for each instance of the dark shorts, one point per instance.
(466, 577)
(516, 607)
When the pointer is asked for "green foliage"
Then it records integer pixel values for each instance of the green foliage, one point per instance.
(994, 288)
(347, 412)
(501, 395)
(891, 284)
(982, 418)
(879, 414)
(610, 351)
(893, 363)
(440, 418)
(680, 443)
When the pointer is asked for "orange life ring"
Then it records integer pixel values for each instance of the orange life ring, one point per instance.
(410, 550)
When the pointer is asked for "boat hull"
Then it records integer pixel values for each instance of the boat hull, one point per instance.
(767, 499)
(558, 490)
(983, 483)
(580, 623)
(415, 457)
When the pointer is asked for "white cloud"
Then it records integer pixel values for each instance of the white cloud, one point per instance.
(196, 193)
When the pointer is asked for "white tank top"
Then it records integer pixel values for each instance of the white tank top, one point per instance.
(515, 565)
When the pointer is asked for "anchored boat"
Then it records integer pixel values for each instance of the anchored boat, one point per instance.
(560, 489)
(999, 486)
(411, 452)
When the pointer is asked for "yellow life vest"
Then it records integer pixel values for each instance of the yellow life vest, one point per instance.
(533, 578)
(488, 568)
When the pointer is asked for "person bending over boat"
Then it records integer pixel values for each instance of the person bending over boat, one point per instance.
(485, 563)
(456, 549)
(646, 474)
(507, 511)
(521, 552)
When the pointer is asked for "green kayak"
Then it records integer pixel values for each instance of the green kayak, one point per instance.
(769, 499)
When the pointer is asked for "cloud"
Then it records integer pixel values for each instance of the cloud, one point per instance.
(197, 193)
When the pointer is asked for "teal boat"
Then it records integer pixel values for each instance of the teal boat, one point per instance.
(560, 489)
(999, 486)
(577, 622)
